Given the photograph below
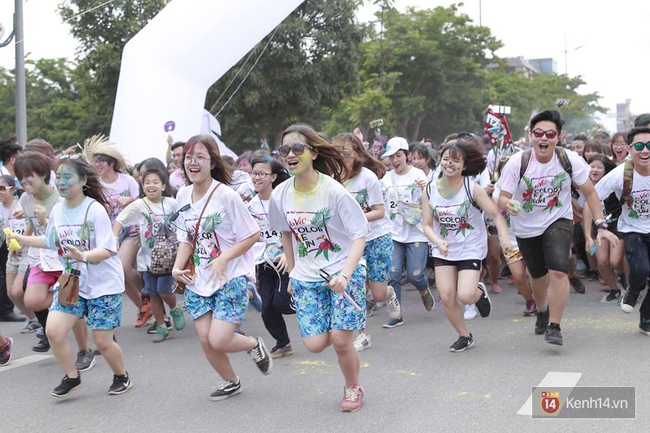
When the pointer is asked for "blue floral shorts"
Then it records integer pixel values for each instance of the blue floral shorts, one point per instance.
(379, 257)
(319, 309)
(228, 303)
(103, 313)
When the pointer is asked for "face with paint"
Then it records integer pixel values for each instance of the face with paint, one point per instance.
(68, 182)
(302, 163)
(452, 163)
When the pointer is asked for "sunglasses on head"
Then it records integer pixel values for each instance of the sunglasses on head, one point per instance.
(550, 134)
(639, 145)
(296, 148)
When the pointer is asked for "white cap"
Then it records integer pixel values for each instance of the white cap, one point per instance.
(395, 144)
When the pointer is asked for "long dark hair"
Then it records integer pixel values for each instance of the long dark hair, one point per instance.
(93, 187)
(424, 153)
(328, 161)
(471, 153)
(278, 169)
(364, 158)
(219, 172)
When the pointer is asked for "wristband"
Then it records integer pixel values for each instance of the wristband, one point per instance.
(83, 257)
(345, 276)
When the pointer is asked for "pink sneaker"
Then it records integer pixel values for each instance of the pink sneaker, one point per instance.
(352, 398)
(495, 288)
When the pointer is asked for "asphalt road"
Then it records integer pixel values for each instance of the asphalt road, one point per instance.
(412, 382)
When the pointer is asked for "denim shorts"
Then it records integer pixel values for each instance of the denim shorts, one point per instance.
(157, 284)
(319, 309)
(228, 303)
(550, 250)
(103, 313)
(379, 257)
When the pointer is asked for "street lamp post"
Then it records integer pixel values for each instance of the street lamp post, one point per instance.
(566, 57)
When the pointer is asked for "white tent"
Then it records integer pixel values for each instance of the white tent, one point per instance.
(168, 67)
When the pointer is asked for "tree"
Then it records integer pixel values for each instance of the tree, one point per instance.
(102, 33)
(310, 63)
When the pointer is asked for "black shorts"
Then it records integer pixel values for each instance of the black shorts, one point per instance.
(612, 227)
(462, 265)
(550, 250)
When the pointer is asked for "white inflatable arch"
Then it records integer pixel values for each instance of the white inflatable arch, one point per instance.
(168, 67)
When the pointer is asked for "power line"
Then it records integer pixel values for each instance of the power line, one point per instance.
(231, 81)
(88, 10)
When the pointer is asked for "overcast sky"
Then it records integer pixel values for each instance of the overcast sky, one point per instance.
(614, 38)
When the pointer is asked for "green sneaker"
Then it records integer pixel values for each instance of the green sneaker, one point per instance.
(178, 317)
(161, 335)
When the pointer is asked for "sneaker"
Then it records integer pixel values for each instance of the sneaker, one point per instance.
(121, 384)
(261, 356)
(226, 389)
(40, 333)
(462, 343)
(511, 280)
(66, 386)
(85, 360)
(542, 321)
(592, 275)
(178, 317)
(496, 289)
(392, 323)
(505, 273)
(613, 296)
(352, 398)
(362, 342)
(281, 352)
(427, 299)
(394, 307)
(644, 327)
(484, 305)
(162, 334)
(577, 285)
(531, 308)
(144, 315)
(42, 346)
(371, 304)
(254, 298)
(553, 335)
(623, 281)
(470, 312)
(31, 326)
(168, 324)
(5, 352)
(629, 301)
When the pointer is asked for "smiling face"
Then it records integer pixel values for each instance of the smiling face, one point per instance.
(198, 163)
(399, 162)
(298, 164)
(262, 177)
(31, 183)
(68, 183)
(452, 163)
(544, 146)
(619, 148)
(101, 165)
(641, 158)
(578, 146)
(419, 162)
(6, 193)
(153, 187)
(597, 171)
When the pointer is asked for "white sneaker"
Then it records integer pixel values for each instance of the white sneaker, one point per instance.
(470, 312)
(394, 308)
(362, 342)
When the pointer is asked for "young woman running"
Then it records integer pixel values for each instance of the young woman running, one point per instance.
(453, 222)
(362, 181)
(79, 232)
(270, 260)
(216, 296)
(323, 235)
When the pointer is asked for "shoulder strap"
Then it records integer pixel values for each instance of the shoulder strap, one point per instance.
(468, 190)
(628, 177)
(564, 160)
(198, 222)
(525, 159)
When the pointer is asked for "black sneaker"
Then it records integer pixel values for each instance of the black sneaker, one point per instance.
(484, 305)
(262, 357)
(593, 275)
(42, 346)
(66, 387)
(225, 390)
(629, 301)
(5, 352)
(281, 352)
(462, 343)
(542, 321)
(644, 327)
(623, 281)
(553, 335)
(577, 285)
(121, 384)
(168, 323)
(85, 360)
(613, 296)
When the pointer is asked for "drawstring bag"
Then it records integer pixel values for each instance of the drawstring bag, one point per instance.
(69, 281)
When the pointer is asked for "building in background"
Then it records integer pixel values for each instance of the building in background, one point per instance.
(624, 119)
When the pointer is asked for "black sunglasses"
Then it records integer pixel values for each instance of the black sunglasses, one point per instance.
(174, 217)
(296, 148)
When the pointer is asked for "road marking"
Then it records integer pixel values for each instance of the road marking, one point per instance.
(556, 379)
(25, 361)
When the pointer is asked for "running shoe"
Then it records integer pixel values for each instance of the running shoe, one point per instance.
(42, 346)
(542, 321)
(162, 334)
(371, 304)
(144, 314)
(362, 342)
(484, 304)
(613, 296)
(462, 343)
(281, 352)
(629, 301)
(644, 327)
(254, 298)
(427, 299)
(531, 308)
(392, 323)
(352, 398)
(168, 324)
(394, 307)
(40, 333)
(121, 384)
(577, 285)
(66, 386)
(261, 356)
(553, 335)
(496, 289)
(470, 312)
(178, 317)
(226, 389)
(5, 352)
(85, 360)
(31, 326)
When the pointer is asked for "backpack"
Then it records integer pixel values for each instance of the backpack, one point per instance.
(165, 246)
(564, 161)
(628, 177)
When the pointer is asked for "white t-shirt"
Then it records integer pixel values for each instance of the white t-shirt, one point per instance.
(176, 179)
(47, 260)
(17, 225)
(544, 191)
(243, 184)
(225, 222)
(324, 222)
(149, 220)
(367, 191)
(403, 188)
(124, 186)
(269, 246)
(635, 214)
(459, 223)
(65, 227)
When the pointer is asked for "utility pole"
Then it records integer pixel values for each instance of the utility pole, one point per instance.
(21, 104)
